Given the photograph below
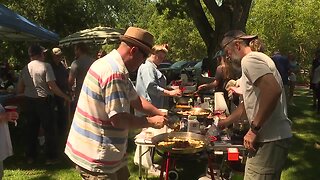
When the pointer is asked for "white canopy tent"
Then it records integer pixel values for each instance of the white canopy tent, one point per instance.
(97, 35)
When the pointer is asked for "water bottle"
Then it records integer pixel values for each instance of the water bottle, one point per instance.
(197, 103)
(184, 125)
(193, 124)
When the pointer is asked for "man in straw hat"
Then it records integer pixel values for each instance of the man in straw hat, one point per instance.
(97, 139)
(61, 73)
(264, 103)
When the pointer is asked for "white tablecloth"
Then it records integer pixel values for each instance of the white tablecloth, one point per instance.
(143, 141)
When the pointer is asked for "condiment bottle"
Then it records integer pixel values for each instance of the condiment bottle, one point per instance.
(198, 102)
(184, 125)
(190, 102)
(193, 124)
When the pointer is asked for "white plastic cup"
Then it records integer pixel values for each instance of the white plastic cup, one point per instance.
(165, 128)
(164, 111)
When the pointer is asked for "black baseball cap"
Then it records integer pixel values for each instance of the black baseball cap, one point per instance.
(36, 49)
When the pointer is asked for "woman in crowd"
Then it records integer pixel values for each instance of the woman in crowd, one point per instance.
(151, 83)
(222, 74)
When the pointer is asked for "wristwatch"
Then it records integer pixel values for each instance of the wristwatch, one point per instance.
(255, 129)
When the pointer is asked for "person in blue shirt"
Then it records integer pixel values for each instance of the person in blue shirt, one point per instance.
(151, 83)
(282, 64)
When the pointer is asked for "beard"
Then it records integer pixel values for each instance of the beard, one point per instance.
(235, 58)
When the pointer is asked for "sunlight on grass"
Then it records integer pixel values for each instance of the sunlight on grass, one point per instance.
(19, 174)
(302, 164)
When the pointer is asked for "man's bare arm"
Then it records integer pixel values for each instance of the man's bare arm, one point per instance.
(270, 92)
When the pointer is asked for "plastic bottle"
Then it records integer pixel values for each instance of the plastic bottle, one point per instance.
(197, 103)
(190, 102)
(193, 124)
(184, 125)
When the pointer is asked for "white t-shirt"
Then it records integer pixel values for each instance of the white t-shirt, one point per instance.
(5, 141)
(35, 77)
(278, 126)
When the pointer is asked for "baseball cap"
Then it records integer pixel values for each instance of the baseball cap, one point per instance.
(36, 49)
(235, 34)
(56, 51)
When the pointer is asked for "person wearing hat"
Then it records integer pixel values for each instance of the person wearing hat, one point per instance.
(97, 140)
(61, 73)
(268, 138)
(36, 83)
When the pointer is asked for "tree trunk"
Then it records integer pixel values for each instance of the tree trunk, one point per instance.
(232, 14)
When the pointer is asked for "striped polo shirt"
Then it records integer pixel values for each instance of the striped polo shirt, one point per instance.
(93, 143)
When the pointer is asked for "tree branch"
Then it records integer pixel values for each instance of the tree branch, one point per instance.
(201, 22)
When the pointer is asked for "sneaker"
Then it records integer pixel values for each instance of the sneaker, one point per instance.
(154, 172)
(52, 161)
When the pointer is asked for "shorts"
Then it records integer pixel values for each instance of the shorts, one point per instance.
(268, 160)
(122, 174)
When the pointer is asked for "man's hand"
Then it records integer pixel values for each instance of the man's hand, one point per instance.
(249, 140)
(157, 121)
(221, 124)
(67, 98)
(175, 92)
(10, 116)
(202, 87)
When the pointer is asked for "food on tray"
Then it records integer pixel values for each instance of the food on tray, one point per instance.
(181, 143)
(182, 106)
(193, 113)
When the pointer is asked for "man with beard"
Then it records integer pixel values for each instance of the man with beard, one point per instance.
(267, 140)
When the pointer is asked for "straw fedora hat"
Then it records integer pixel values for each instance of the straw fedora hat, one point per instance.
(139, 37)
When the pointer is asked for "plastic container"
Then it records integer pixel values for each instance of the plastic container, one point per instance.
(233, 154)
(193, 124)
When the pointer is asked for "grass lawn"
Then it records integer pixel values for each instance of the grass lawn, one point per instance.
(303, 162)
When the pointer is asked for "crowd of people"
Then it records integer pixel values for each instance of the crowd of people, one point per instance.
(102, 94)
(48, 97)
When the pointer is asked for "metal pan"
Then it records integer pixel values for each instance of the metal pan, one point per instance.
(183, 100)
(181, 135)
(199, 112)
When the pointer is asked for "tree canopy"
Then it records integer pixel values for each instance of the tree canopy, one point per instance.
(193, 29)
